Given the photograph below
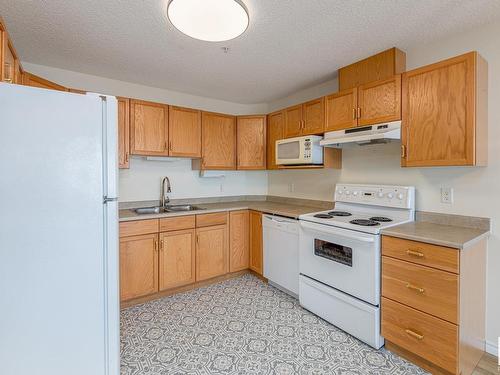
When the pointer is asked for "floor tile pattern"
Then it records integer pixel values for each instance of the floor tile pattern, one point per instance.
(242, 326)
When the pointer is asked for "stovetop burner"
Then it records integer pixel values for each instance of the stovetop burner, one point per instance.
(323, 216)
(364, 222)
(339, 213)
(381, 219)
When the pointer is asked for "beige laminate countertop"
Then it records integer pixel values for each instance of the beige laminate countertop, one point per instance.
(276, 208)
(437, 234)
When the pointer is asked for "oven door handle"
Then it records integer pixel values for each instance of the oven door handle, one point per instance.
(342, 232)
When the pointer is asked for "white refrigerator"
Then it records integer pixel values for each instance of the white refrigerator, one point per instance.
(59, 299)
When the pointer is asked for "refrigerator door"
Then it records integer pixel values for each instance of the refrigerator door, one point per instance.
(55, 260)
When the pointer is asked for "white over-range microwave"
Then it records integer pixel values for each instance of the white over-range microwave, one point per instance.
(299, 151)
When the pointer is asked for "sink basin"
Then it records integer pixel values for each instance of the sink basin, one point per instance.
(168, 208)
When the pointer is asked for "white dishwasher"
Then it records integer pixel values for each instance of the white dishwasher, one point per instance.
(281, 252)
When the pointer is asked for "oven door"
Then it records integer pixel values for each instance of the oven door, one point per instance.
(341, 258)
(291, 151)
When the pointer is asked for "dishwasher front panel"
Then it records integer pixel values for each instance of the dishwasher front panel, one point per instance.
(281, 252)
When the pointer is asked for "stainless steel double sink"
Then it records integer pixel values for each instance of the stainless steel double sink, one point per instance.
(167, 208)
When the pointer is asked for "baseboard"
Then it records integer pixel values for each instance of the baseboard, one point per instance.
(491, 348)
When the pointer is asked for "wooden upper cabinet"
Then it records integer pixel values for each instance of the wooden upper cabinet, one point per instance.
(293, 121)
(341, 110)
(378, 67)
(10, 66)
(184, 128)
(212, 255)
(177, 258)
(313, 113)
(251, 142)
(148, 128)
(36, 81)
(138, 266)
(256, 251)
(275, 125)
(444, 111)
(218, 141)
(239, 240)
(123, 132)
(379, 101)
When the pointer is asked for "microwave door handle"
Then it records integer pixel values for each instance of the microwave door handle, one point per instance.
(333, 230)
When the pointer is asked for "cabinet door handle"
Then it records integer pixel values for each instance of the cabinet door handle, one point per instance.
(156, 245)
(403, 151)
(354, 117)
(359, 112)
(198, 239)
(170, 145)
(126, 157)
(161, 245)
(418, 336)
(415, 288)
(414, 253)
(165, 146)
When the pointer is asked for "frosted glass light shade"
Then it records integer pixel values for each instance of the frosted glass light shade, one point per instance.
(209, 20)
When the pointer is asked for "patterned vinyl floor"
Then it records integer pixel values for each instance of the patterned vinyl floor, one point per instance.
(242, 326)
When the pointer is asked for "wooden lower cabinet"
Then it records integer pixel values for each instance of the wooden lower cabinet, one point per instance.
(433, 304)
(212, 256)
(256, 255)
(138, 266)
(239, 241)
(177, 258)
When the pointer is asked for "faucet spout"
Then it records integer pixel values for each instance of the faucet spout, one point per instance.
(164, 199)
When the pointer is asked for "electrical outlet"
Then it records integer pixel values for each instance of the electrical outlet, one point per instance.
(446, 195)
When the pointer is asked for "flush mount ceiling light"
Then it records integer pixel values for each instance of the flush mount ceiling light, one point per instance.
(209, 20)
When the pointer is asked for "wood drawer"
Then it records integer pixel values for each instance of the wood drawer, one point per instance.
(207, 220)
(133, 228)
(424, 335)
(177, 223)
(426, 289)
(444, 258)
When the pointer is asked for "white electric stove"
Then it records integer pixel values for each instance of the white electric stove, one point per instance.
(339, 255)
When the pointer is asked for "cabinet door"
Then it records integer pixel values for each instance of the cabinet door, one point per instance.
(35, 81)
(275, 125)
(341, 110)
(184, 131)
(8, 68)
(123, 132)
(379, 101)
(251, 142)
(138, 266)
(438, 113)
(293, 121)
(177, 258)
(211, 252)
(218, 141)
(314, 116)
(148, 128)
(239, 245)
(256, 262)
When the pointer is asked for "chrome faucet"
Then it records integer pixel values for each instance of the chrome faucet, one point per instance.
(164, 200)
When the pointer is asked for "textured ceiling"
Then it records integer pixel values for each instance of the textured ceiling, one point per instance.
(289, 45)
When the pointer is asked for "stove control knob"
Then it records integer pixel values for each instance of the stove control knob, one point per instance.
(390, 195)
(400, 196)
(339, 191)
(380, 194)
(347, 192)
(355, 193)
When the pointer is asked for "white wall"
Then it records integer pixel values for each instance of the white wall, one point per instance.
(142, 180)
(476, 190)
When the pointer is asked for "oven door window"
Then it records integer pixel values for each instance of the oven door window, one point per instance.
(288, 150)
(331, 251)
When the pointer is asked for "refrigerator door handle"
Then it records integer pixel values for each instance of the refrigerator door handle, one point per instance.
(106, 200)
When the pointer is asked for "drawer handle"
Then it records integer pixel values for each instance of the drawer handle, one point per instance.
(418, 336)
(415, 288)
(414, 253)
